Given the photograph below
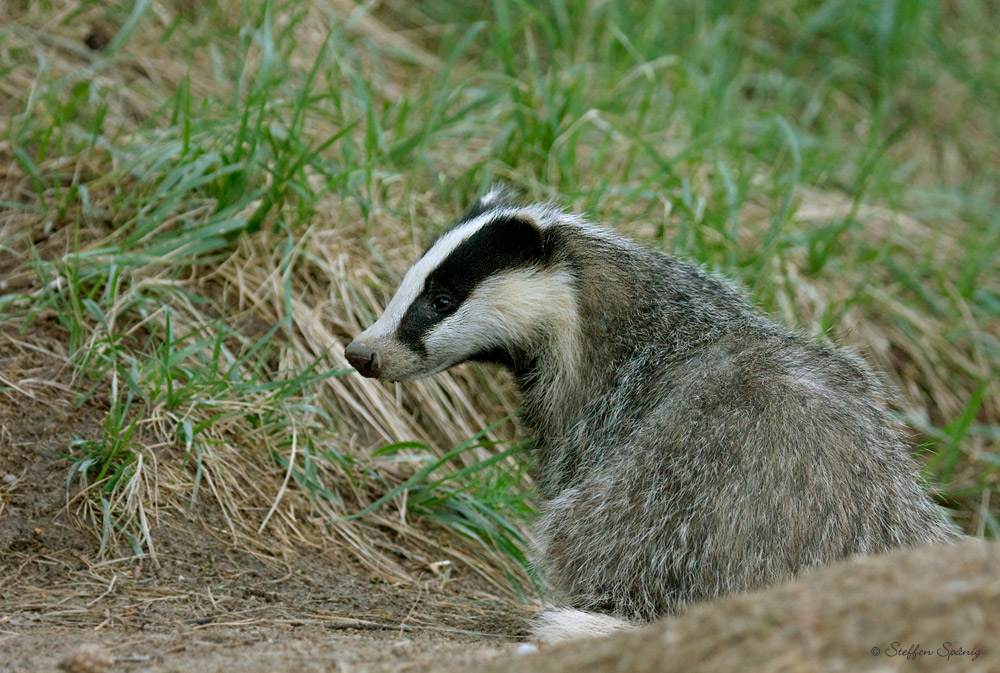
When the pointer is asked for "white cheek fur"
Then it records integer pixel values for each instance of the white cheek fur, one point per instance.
(513, 308)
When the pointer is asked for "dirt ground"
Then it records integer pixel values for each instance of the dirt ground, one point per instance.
(204, 604)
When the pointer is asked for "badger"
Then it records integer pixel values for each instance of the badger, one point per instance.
(684, 445)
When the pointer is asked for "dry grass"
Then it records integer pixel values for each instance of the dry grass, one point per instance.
(307, 297)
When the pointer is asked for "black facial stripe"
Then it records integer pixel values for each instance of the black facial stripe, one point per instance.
(504, 199)
(417, 321)
(505, 243)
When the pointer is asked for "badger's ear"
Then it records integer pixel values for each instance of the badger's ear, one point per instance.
(499, 196)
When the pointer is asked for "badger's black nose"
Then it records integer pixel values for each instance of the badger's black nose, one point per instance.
(364, 359)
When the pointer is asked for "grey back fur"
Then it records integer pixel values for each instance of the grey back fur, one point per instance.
(704, 449)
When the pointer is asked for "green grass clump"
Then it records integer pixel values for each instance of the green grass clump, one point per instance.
(210, 203)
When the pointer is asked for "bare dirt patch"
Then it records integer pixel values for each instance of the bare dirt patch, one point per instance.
(204, 603)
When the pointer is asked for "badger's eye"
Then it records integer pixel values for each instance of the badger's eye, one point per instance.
(441, 303)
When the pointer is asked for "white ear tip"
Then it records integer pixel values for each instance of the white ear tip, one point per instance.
(491, 196)
(499, 193)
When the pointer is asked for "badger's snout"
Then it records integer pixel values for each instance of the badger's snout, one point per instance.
(363, 358)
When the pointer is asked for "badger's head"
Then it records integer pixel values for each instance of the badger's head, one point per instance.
(490, 288)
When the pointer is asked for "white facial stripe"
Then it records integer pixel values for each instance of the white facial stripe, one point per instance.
(413, 281)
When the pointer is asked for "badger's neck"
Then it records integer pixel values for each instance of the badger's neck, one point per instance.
(583, 338)
(548, 359)
(571, 360)
(615, 301)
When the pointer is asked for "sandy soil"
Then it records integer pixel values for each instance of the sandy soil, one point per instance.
(249, 649)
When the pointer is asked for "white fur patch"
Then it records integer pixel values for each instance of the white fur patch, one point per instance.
(561, 624)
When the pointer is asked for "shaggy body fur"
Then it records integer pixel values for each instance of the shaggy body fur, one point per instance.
(686, 447)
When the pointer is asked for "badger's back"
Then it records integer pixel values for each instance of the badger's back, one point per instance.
(726, 470)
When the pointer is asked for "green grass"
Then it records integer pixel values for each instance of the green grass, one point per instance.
(212, 203)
